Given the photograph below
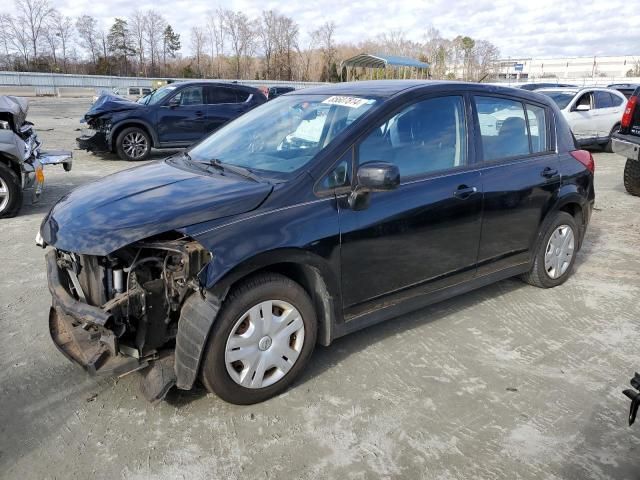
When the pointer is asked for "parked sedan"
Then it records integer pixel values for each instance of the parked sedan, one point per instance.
(592, 113)
(174, 116)
(317, 214)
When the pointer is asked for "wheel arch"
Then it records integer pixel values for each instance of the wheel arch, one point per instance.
(118, 127)
(199, 313)
(574, 204)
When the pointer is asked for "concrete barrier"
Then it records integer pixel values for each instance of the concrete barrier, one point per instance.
(75, 92)
(18, 91)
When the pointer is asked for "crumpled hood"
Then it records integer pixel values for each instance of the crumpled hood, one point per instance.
(16, 106)
(134, 204)
(109, 103)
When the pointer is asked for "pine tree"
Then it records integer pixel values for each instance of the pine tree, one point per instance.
(170, 44)
(120, 43)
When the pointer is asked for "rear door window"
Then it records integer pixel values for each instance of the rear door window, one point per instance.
(603, 99)
(537, 118)
(217, 95)
(503, 128)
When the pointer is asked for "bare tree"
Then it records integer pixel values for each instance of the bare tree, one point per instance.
(154, 28)
(138, 23)
(267, 32)
(88, 33)
(198, 39)
(216, 37)
(241, 32)
(63, 29)
(32, 14)
(326, 42)
(486, 59)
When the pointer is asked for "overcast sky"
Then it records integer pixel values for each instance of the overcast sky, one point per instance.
(549, 28)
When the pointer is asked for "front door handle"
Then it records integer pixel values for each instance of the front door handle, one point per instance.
(549, 172)
(463, 192)
(199, 114)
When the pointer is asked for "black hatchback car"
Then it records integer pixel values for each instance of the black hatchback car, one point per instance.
(317, 214)
(174, 116)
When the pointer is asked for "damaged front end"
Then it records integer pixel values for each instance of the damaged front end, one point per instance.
(20, 146)
(116, 314)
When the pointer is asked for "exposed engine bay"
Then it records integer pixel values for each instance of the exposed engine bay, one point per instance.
(133, 299)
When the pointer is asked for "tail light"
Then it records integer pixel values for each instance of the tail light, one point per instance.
(627, 116)
(584, 158)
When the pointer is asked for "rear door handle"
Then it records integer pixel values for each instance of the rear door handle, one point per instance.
(463, 192)
(549, 172)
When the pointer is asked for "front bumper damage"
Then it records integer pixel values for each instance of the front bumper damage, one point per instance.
(93, 141)
(35, 160)
(79, 332)
(138, 308)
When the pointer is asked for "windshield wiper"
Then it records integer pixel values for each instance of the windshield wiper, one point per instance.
(242, 171)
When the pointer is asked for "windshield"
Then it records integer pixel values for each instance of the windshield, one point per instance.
(562, 99)
(158, 95)
(283, 135)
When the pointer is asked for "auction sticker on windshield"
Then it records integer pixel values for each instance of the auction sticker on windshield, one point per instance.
(352, 102)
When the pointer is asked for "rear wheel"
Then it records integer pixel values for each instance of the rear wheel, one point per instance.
(133, 144)
(608, 147)
(261, 341)
(10, 192)
(632, 177)
(555, 253)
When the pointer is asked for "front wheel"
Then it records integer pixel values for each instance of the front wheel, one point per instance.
(632, 177)
(10, 192)
(261, 340)
(555, 253)
(133, 144)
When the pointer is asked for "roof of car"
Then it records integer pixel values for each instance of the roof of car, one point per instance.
(388, 88)
(218, 84)
(576, 89)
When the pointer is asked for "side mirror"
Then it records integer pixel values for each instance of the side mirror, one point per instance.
(373, 177)
(582, 108)
(378, 176)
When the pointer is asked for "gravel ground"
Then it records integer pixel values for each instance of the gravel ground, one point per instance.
(509, 381)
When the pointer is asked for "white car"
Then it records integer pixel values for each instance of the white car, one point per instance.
(592, 113)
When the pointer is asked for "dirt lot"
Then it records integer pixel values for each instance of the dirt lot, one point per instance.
(507, 382)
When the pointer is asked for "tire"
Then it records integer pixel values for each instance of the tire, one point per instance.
(608, 146)
(542, 275)
(632, 177)
(133, 144)
(10, 192)
(234, 380)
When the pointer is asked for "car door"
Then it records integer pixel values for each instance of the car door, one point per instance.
(604, 114)
(424, 235)
(520, 180)
(223, 105)
(181, 117)
(581, 122)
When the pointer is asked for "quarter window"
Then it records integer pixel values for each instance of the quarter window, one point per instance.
(425, 137)
(503, 128)
(616, 101)
(537, 128)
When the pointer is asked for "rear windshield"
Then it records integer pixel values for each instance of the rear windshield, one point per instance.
(562, 99)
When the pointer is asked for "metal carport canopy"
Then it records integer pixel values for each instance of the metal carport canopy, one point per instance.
(367, 60)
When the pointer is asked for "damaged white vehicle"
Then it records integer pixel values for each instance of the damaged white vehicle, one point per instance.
(21, 161)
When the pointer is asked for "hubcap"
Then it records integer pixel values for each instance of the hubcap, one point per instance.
(559, 252)
(135, 145)
(264, 344)
(4, 195)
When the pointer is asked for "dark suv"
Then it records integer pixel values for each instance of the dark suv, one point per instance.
(317, 214)
(173, 116)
